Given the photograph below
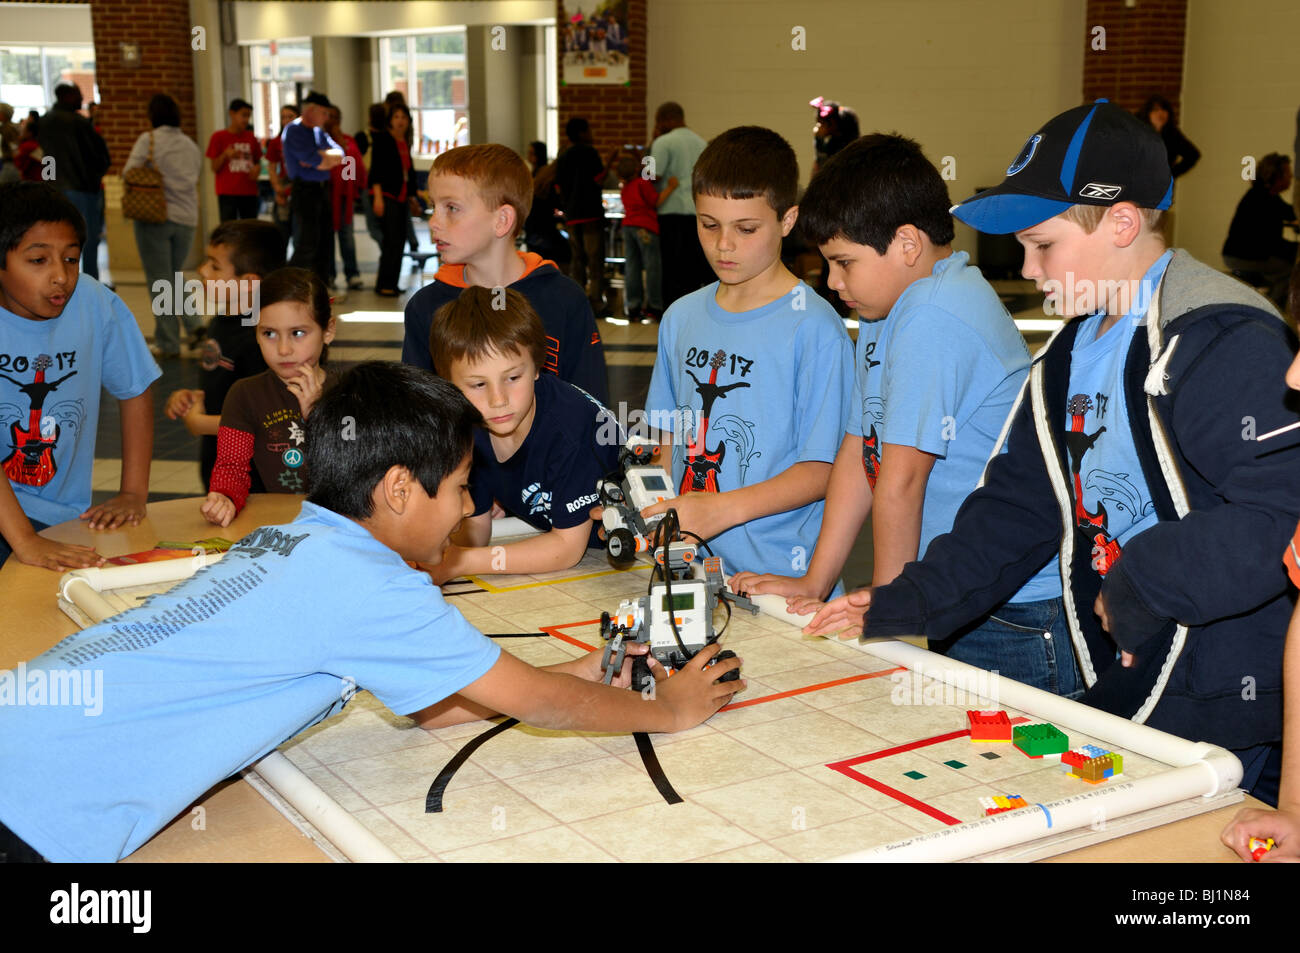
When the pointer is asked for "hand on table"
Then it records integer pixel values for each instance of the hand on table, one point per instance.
(796, 589)
(218, 508)
(51, 554)
(125, 509)
(845, 616)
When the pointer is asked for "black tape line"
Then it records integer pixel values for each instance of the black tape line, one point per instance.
(433, 800)
(654, 769)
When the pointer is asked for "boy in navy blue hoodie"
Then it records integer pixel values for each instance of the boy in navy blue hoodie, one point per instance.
(481, 196)
(1136, 429)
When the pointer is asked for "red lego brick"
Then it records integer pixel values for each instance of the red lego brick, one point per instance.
(989, 726)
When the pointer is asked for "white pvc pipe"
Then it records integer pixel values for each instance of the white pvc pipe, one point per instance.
(342, 830)
(139, 574)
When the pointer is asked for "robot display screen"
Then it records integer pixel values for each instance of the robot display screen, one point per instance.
(654, 483)
(680, 601)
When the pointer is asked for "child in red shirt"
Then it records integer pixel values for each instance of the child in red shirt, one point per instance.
(236, 158)
(641, 241)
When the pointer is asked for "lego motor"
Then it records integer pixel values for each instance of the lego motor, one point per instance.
(624, 493)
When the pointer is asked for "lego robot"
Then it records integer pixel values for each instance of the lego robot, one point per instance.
(623, 494)
(675, 617)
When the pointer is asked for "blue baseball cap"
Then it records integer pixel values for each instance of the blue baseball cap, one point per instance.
(1096, 154)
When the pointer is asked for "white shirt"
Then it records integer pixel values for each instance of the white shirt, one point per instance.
(179, 160)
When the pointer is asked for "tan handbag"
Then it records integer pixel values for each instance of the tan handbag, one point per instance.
(143, 198)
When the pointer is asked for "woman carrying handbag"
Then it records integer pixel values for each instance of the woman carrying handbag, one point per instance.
(164, 235)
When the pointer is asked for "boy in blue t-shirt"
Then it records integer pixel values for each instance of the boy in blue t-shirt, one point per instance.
(544, 444)
(752, 379)
(939, 365)
(63, 338)
(197, 683)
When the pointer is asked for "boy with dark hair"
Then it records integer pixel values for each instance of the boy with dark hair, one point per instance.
(239, 255)
(66, 337)
(752, 378)
(939, 364)
(236, 158)
(324, 605)
(544, 443)
(1136, 431)
(481, 196)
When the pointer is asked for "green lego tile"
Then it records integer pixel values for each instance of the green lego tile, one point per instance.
(914, 775)
(1040, 739)
(954, 764)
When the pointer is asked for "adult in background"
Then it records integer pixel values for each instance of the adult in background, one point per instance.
(80, 163)
(348, 180)
(579, 175)
(542, 226)
(281, 184)
(392, 193)
(1158, 113)
(1255, 241)
(674, 152)
(309, 155)
(836, 127)
(376, 122)
(236, 158)
(164, 246)
(8, 145)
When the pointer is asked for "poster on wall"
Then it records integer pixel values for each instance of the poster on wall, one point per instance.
(593, 44)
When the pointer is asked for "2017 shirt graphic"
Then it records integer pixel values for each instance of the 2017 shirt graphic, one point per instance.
(32, 462)
(702, 464)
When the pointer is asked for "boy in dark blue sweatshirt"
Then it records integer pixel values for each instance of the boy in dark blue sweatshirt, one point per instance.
(1136, 430)
(481, 196)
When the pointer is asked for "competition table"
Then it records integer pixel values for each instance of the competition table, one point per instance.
(238, 824)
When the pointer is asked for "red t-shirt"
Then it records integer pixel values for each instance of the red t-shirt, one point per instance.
(233, 177)
(639, 198)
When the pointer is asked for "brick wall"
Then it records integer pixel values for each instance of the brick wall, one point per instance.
(617, 113)
(161, 28)
(1143, 54)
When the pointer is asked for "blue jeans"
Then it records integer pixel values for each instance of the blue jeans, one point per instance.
(347, 251)
(164, 247)
(91, 207)
(1027, 641)
(641, 252)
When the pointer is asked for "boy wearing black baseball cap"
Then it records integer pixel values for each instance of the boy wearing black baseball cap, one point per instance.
(1136, 433)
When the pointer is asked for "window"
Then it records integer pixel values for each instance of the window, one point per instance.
(281, 72)
(429, 70)
(28, 75)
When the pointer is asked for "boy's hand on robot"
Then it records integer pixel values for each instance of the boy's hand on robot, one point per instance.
(698, 513)
(696, 692)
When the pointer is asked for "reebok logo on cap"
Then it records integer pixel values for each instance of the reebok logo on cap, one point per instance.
(1095, 190)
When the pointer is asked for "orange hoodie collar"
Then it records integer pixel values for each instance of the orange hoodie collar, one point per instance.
(454, 275)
